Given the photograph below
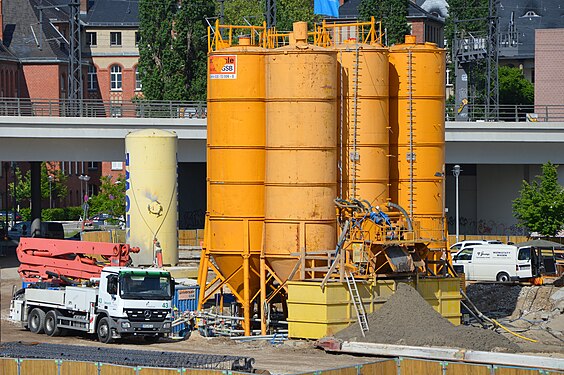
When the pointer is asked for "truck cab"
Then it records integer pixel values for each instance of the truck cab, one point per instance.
(134, 301)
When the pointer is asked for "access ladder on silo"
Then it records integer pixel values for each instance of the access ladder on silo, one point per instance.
(357, 302)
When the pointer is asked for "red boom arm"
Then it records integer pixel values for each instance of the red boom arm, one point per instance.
(43, 258)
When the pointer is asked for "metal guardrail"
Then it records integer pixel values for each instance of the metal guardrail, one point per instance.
(99, 108)
(198, 109)
(510, 113)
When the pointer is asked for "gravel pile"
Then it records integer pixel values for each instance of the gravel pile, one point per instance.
(407, 319)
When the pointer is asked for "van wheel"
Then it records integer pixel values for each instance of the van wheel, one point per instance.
(502, 277)
(36, 320)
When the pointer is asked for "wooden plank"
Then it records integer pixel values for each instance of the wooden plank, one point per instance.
(515, 371)
(82, 368)
(202, 372)
(379, 368)
(418, 367)
(39, 366)
(8, 366)
(159, 371)
(340, 371)
(467, 369)
(108, 369)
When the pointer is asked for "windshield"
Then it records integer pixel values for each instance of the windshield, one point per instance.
(145, 286)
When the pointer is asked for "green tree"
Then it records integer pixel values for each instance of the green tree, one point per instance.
(392, 13)
(56, 189)
(110, 198)
(173, 48)
(290, 11)
(514, 88)
(540, 206)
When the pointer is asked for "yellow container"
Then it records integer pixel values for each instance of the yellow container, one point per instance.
(417, 103)
(313, 313)
(363, 117)
(151, 195)
(236, 152)
(300, 181)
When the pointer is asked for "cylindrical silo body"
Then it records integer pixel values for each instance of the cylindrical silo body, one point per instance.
(417, 137)
(301, 155)
(363, 118)
(235, 164)
(151, 195)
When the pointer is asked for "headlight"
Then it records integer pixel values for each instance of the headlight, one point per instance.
(125, 325)
(166, 325)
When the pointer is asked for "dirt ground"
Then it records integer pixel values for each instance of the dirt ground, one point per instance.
(535, 312)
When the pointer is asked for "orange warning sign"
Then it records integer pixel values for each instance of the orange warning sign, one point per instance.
(223, 67)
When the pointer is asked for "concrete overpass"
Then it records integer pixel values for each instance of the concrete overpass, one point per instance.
(102, 139)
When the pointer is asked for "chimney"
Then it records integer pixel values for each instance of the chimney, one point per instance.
(1, 22)
(83, 6)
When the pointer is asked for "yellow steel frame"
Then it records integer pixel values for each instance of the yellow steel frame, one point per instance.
(216, 40)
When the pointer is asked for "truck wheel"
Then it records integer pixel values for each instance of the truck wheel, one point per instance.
(502, 277)
(51, 328)
(36, 320)
(104, 331)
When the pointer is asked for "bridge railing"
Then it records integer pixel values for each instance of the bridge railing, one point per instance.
(510, 113)
(99, 108)
(198, 109)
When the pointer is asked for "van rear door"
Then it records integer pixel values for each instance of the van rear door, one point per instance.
(524, 264)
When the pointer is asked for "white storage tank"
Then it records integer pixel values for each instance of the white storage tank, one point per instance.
(151, 195)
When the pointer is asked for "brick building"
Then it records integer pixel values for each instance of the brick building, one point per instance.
(549, 71)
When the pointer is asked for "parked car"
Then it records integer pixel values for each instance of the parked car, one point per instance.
(10, 215)
(103, 219)
(467, 243)
(49, 229)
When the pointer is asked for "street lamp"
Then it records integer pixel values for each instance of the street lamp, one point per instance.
(456, 172)
(84, 192)
(50, 191)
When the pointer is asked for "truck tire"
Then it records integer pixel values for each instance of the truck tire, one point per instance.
(503, 277)
(36, 320)
(104, 331)
(51, 327)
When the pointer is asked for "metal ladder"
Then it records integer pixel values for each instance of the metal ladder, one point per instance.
(357, 302)
(354, 155)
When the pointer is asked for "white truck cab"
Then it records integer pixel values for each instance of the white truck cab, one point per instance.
(494, 262)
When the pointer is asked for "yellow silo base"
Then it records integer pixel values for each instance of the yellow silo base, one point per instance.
(313, 313)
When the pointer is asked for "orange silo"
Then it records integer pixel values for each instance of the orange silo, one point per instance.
(235, 171)
(417, 136)
(301, 178)
(363, 118)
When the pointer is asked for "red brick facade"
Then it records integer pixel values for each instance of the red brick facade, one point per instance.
(549, 63)
(8, 79)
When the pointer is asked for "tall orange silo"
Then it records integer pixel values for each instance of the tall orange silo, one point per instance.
(363, 118)
(235, 171)
(301, 177)
(417, 136)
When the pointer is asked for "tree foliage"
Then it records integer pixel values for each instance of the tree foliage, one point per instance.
(173, 48)
(393, 14)
(514, 88)
(56, 189)
(540, 206)
(290, 11)
(111, 197)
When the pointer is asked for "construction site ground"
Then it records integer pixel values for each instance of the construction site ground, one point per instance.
(535, 312)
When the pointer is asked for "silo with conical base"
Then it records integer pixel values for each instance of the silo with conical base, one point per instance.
(235, 171)
(301, 158)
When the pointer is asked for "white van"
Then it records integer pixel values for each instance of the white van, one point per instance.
(494, 263)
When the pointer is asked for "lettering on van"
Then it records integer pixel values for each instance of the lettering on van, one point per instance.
(501, 253)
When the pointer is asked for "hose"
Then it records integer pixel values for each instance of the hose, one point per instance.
(404, 213)
(513, 333)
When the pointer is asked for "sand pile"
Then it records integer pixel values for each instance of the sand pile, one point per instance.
(407, 319)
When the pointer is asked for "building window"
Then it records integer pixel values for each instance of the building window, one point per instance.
(115, 38)
(92, 78)
(92, 165)
(117, 165)
(137, 38)
(91, 39)
(115, 77)
(138, 85)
